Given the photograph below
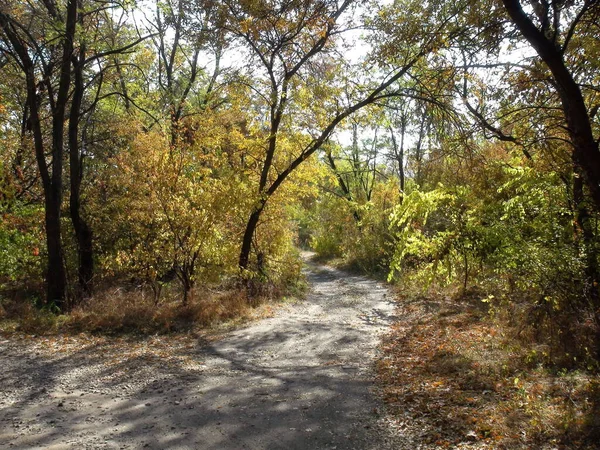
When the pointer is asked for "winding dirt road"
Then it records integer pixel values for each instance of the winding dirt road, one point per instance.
(299, 380)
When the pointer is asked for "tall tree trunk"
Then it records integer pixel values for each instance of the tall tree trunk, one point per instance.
(585, 240)
(83, 233)
(56, 280)
(57, 288)
(52, 180)
(586, 154)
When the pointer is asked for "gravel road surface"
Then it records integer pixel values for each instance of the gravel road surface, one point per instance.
(301, 379)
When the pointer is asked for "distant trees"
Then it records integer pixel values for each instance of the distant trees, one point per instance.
(492, 148)
(188, 41)
(292, 44)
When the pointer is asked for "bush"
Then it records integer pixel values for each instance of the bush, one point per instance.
(513, 237)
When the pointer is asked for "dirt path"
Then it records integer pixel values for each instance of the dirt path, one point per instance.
(298, 380)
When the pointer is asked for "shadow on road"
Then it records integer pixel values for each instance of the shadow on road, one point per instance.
(299, 380)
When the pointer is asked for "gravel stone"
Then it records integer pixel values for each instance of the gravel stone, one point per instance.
(299, 380)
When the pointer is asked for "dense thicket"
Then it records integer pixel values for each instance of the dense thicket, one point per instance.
(444, 143)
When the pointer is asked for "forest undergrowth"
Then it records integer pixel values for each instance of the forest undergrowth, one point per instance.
(456, 366)
(126, 311)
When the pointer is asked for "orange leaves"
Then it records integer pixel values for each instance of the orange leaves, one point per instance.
(426, 371)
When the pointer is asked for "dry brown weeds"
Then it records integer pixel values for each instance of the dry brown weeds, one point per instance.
(471, 381)
(133, 311)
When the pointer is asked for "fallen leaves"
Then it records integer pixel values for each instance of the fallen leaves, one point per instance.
(451, 370)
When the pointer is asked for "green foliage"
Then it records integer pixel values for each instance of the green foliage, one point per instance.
(506, 229)
(20, 243)
(424, 245)
(519, 228)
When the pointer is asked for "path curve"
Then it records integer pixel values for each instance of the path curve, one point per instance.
(301, 379)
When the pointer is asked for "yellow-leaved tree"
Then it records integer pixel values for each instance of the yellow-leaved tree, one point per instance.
(174, 212)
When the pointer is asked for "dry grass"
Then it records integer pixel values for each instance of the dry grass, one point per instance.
(470, 381)
(121, 311)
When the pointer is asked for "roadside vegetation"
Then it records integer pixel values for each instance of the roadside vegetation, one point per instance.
(468, 374)
(133, 312)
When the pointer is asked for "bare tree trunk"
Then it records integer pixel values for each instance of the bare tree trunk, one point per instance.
(52, 180)
(83, 233)
(56, 279)
(244, 261)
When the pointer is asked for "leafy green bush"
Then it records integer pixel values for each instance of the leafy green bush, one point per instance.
(514, 240)
(20, 244)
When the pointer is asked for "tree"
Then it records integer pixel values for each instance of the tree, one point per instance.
(545, 29)
(182, 34)
(168, 213)
(290, 42)
(357, 167)
(49, 43)
(542, 102)
(51, 76)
